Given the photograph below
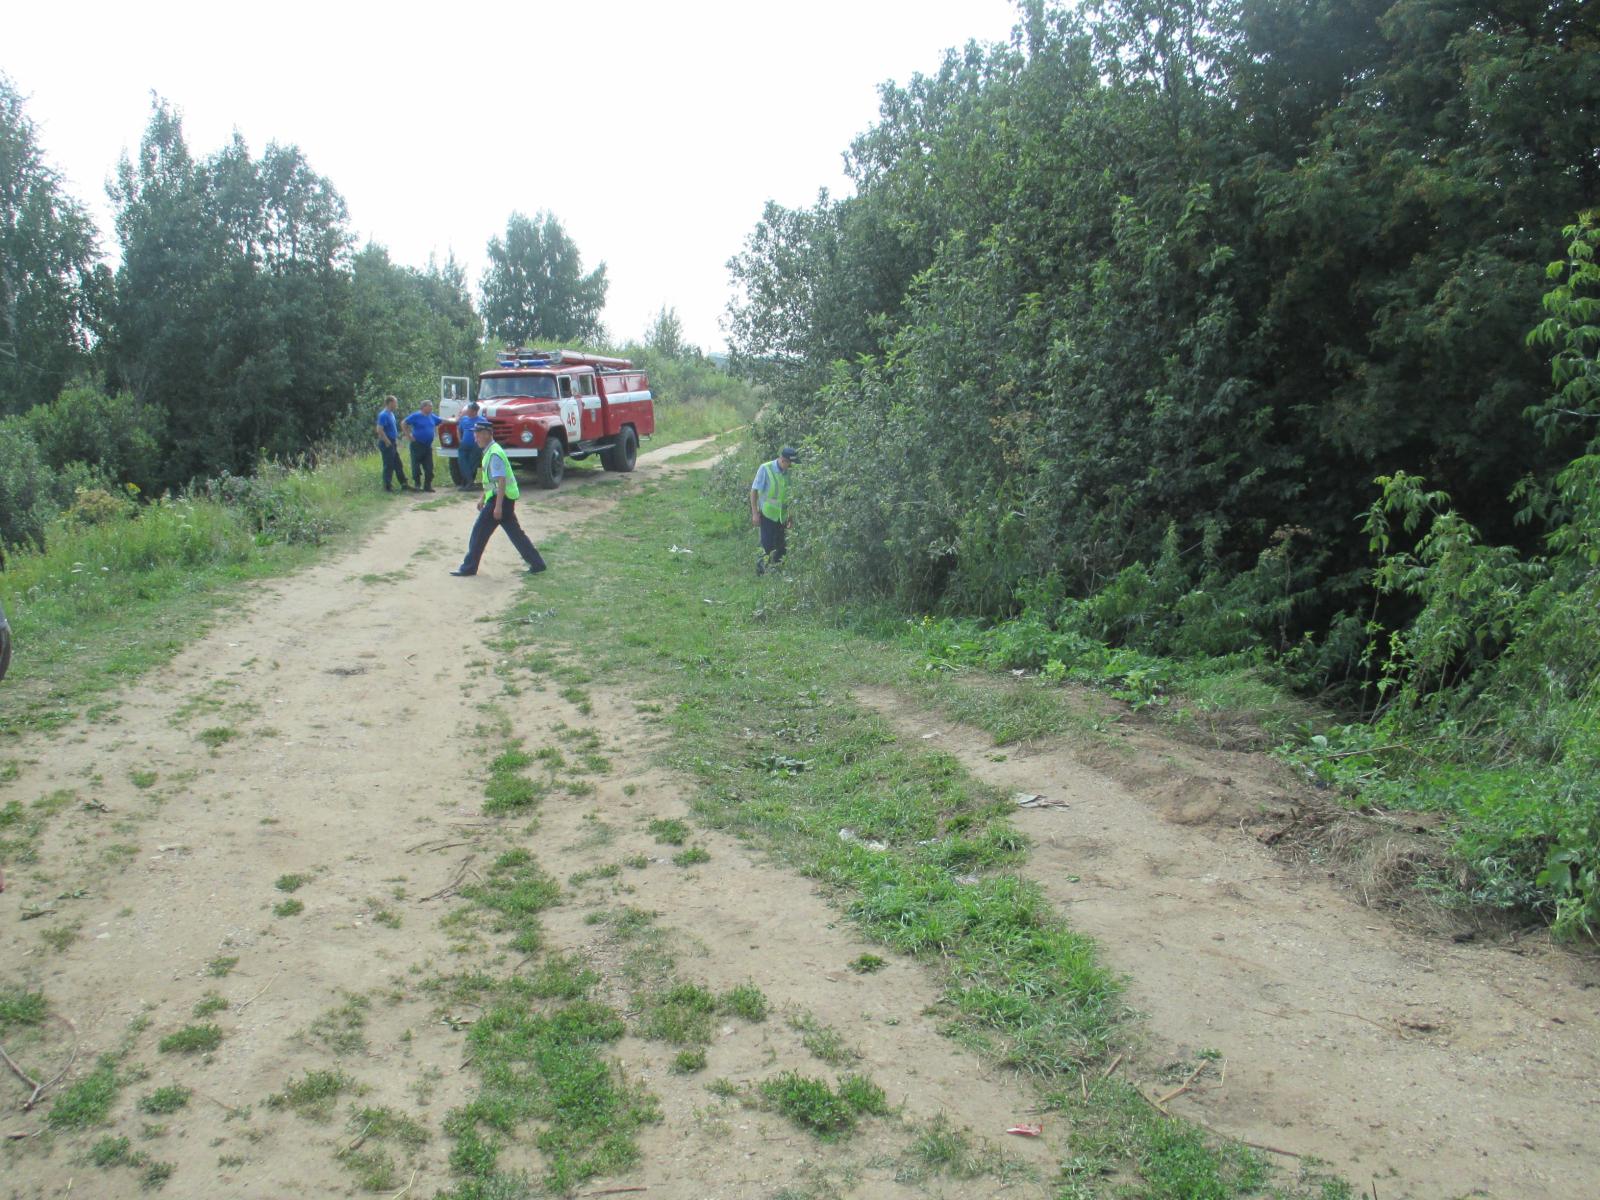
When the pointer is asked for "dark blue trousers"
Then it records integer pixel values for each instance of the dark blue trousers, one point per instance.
(422, 465)
(485, 525)
(469, 458)
(774, 541)
(392, 466)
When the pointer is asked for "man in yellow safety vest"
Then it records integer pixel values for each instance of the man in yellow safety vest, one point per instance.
(769, 507)
(498, 508)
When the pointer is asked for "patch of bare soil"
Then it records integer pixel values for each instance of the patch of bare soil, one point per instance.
(1415, 1064)
(328, 734)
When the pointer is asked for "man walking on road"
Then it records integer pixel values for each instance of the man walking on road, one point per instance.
(421, 426)
(389, 444)
(497, 509)
(769, 507)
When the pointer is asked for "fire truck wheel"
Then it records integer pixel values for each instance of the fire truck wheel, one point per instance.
(552, 464)
(625, 453)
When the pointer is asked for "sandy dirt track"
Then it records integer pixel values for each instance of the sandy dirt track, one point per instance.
(351, 689)
(1434, 1068)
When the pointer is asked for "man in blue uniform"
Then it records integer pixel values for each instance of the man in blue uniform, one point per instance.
(421, 426)
(468, 458)
(389, 444)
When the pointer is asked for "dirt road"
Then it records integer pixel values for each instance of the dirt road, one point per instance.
(328, 750)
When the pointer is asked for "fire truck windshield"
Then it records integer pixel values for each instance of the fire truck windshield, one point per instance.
(499, 387)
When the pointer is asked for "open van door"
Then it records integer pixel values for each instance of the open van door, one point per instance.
(453, 392)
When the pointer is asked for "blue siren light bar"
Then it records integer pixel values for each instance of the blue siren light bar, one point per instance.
(521, 358)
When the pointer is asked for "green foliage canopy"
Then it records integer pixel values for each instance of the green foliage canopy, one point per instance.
(1178, 265)
(535, 287)
(49, 285)
(232, 299)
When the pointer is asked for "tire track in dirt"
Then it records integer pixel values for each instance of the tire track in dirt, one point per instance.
(1437, 1070)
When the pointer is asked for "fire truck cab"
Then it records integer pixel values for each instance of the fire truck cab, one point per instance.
(552, 405)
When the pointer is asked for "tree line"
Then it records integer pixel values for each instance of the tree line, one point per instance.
(1202, 328)
(241, 322)
(1208, 266)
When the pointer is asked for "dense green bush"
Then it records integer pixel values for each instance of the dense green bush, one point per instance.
(30, 492)
(272, 502)
(117, 435)
(1211, 267)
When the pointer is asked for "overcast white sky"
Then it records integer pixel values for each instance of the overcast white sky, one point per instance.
(436, 121)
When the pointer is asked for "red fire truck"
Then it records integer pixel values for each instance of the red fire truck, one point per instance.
(552, 405)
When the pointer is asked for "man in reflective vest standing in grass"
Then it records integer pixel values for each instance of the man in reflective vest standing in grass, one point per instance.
(769, 507)
(498, 508)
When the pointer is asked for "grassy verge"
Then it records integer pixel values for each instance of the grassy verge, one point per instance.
(123, 587)
(758, 690)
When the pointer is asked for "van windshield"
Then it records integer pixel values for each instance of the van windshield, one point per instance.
(498, 387)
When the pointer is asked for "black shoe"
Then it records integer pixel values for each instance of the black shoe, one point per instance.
(427, 489)
(387, 488)
(536, 570)
(464, 574)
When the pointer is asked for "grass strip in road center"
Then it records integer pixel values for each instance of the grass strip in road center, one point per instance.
(540, 1046)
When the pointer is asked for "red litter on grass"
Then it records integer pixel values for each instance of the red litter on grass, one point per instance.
(1026, 1130)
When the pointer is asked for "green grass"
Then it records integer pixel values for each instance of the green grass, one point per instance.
(368, 1158)
(87, 1102)
(289, 908)
(210, 1003)
(219, 967)
(671, 831)
(108, 602)
(691, 857)
(819, 1109)
(382, 914)
(516, 890)
(943, 1150)
(156, 1175)
(562, 977)
(509, 790)
(823, 1041)
(61, 936)
(292, 882)
(680, 1015)
(314, 1094)
(342, 1029)
(746, 1000)
(541, 1046)
(547, 1065)
(218, 736)
(19, 1007)
(110, 1152)
(191, 1039)
(757, 695)
(165, 1100)
(687, 1062)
